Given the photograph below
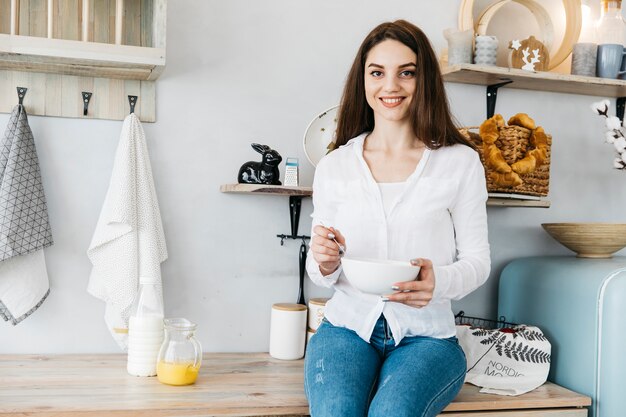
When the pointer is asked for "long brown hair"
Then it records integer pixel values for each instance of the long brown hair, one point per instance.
(429, 112)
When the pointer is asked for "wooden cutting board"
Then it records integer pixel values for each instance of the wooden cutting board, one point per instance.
(530, 45)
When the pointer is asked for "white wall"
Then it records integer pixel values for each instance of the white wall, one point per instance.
(258, 71)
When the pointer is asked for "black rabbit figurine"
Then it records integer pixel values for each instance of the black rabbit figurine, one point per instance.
(264, 172)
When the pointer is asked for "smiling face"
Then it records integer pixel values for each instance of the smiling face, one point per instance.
(390, 80)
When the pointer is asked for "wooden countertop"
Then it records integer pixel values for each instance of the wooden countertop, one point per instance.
(229, 384)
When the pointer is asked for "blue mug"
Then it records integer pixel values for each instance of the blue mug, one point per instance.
(609, 60)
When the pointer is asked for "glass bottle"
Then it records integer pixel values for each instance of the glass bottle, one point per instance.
(180, 356)
(145, 329)
(611, 28)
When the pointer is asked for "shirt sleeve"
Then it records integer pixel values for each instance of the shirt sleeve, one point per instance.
(323, 212)
(469, 217)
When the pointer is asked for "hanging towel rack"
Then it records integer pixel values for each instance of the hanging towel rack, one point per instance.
(111, 48)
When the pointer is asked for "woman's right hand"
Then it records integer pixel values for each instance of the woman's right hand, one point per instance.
(325, 250)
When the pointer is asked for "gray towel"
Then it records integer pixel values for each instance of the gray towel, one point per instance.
(24, 225)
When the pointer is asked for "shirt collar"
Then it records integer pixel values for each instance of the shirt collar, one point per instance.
(358, 142)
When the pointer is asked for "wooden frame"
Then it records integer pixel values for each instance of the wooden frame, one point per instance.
(573, 23)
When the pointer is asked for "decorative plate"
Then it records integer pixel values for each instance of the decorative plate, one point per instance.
(320, 134)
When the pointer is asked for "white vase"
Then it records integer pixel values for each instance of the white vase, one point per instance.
(486, 50)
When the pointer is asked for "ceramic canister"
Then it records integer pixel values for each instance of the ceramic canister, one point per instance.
(584, 56)
(309, 333)
(288, 331)
(486, 50)
(316, 312)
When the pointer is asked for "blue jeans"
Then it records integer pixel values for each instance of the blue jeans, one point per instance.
(346, 377)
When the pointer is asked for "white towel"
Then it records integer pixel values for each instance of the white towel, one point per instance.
(128, 241)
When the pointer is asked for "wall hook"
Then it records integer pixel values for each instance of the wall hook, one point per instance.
(21, 92)
(86, 98)
(132, 100)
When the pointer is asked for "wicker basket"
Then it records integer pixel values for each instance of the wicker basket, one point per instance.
(513, 142)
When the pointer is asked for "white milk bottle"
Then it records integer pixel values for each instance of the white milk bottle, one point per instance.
(145, 329)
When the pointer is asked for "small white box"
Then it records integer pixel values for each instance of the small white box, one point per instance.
(291, 172)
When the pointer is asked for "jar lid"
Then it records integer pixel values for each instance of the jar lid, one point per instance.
(289, 307)
(318, 301)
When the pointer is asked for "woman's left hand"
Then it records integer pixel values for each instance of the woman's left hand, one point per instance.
(416, 293)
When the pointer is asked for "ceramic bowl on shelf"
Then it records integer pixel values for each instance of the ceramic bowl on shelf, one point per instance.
(589, 240)
(376, 276)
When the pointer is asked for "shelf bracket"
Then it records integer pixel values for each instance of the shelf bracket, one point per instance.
(492, 96)
(295, 203)
(620, 105)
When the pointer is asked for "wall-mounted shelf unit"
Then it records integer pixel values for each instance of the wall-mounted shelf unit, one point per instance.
(512, 202)
(494, 78)
(539, 81)
(60, 48)
(267, 189)
(308, 191)
(295, 194)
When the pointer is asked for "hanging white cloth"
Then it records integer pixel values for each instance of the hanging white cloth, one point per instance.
(128, 241)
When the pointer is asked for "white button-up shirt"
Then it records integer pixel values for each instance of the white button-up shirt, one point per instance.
(441, 215)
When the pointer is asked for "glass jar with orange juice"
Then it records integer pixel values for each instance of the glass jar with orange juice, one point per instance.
(180, 356)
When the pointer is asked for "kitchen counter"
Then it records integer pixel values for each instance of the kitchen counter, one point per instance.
(229, 384)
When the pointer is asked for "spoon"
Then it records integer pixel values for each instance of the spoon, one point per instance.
(331, 235)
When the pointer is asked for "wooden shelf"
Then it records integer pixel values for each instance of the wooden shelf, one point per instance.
(267, 189)
(308, 191)
(540, 81)
(512, 202)
(87, 59)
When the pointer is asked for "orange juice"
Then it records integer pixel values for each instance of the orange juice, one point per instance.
(177, 373)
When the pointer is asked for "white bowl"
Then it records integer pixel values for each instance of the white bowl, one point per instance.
(376, 276)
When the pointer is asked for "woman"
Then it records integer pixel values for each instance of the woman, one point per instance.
(404, 185)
